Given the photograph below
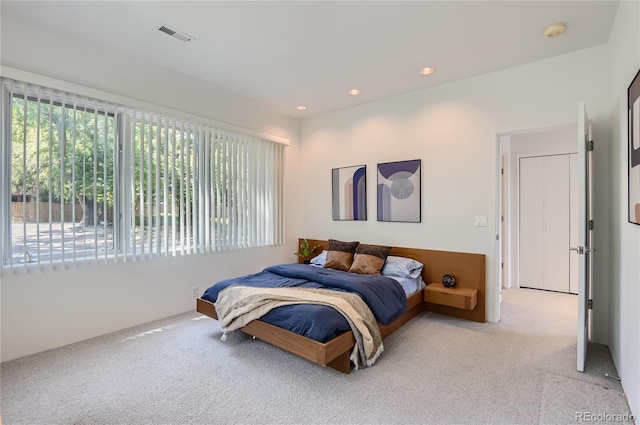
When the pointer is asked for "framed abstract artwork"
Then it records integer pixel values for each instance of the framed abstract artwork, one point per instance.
(349, 193)
(399, 194)
(633, 96)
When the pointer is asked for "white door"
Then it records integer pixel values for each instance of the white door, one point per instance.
(584, 250)
(503, 224)
(556, 228)
(545, 222)
(531, 222)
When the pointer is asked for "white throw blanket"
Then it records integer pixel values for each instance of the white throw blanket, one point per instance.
(238, 305)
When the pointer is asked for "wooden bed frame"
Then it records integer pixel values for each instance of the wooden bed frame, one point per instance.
(469, 270)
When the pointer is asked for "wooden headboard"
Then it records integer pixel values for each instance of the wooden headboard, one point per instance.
(468, 269)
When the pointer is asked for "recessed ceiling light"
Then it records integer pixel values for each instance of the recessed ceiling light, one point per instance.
(427, 71)
(354, 92)
(555, 30)
(301, 108)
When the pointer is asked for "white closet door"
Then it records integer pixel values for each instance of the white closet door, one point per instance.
(556, 223)
(531, 223)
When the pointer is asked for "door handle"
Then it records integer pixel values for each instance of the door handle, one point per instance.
(581, 249)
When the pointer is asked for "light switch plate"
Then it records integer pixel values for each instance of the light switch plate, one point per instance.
(481, 221)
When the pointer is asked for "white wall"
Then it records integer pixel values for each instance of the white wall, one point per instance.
(624, 297)
(453, 128)
(44, 308)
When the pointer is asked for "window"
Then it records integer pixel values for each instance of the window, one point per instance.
(87, 179)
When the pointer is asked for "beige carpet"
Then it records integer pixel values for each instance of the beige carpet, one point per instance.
(435, 370)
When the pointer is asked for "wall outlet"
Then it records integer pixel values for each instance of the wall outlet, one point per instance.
(195, 292)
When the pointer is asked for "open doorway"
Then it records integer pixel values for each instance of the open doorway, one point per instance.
(553, 142)
(521, 261)
(538, 167)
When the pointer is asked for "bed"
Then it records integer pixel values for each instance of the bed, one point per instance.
(336, 351)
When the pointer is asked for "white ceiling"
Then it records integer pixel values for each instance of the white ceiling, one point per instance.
(300, 52)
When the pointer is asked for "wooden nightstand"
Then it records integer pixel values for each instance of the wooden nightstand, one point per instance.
(463, 298)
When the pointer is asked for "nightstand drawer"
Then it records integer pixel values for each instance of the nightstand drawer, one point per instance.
(463, 298)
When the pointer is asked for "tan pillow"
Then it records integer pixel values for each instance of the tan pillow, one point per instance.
(340, 254)
(369, 259)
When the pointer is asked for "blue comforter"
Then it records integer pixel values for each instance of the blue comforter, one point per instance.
(384, 296)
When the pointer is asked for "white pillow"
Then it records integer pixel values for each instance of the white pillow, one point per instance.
(409, 284)
(402, 267)
(320, 259)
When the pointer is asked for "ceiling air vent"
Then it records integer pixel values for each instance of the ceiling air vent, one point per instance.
(182, 36)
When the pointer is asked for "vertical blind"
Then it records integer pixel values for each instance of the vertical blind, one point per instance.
(94, 180)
